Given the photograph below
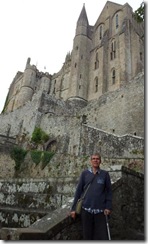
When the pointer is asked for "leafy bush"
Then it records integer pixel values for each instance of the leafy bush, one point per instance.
(18, 155)
(46, 158)
(39, 136)
(36, 156)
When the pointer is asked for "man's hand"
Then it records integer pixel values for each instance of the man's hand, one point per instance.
(107, 211)
(73, 214)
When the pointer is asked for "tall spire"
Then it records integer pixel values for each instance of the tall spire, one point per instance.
(83, 20)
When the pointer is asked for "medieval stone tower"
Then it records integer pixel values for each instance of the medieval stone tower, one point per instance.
(104, 58)
(79, 75)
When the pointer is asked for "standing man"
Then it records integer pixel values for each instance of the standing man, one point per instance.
(97, 202)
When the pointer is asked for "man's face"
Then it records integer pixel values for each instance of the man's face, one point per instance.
(95, 161)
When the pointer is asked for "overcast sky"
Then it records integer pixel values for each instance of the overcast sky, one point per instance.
(42, 30)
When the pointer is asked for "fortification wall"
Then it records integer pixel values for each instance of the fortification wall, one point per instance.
(22, 120)
(120, 112)
(72, 155)
(105, 122)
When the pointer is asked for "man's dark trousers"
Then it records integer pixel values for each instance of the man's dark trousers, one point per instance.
(94, 226)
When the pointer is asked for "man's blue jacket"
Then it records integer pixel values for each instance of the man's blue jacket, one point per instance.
(99, 194)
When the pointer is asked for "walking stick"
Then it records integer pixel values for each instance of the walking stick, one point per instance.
(108, 230)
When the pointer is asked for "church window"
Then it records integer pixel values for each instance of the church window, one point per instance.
(77, 47)
(113, 76)
(97, 62)
(100, 32)
(75, 65)
(141, 56)
(96, 84)
(84, 119)
(80, 76)
(113, 50)
(117, 24)
(79, 86)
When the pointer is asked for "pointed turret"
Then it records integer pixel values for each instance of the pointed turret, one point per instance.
(83, 20)
(82, 23)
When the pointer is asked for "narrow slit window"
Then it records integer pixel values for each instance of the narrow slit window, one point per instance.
(96, 84)
(113, 76)
(117, 24)
(113, 50)
(97, 62)
(100, 32)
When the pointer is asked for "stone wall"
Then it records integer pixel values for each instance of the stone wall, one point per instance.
(74, 143)
(112, 112)
(23, 120)
(126, 221)
(120, 112)
(23, 201)
(7, 166)
(19, 218)
(110, 145)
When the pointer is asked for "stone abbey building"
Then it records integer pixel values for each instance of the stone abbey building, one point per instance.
(101, 83)
(104, 58)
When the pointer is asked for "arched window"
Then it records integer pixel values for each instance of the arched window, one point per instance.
(117, 23)
(96, 84)
(113, 50)
(100, 32)
(113, 76)
(96, 61)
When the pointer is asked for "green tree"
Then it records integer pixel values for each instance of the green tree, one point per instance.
(139, 13)
(18, 155)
